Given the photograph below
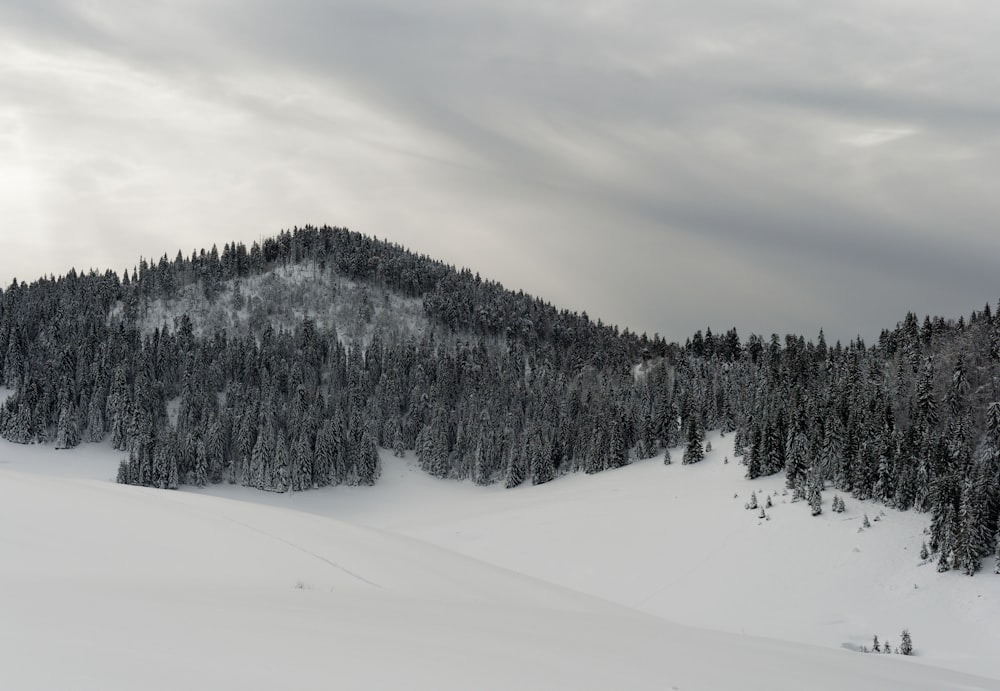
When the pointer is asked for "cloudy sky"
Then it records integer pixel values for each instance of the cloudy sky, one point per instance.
(774, 165)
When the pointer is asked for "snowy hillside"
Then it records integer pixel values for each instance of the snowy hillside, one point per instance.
(677, 541)
(284, 297)
(117, 587)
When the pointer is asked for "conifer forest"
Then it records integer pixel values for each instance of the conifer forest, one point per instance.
(286, 365)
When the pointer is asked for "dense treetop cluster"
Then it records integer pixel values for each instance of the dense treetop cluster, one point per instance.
(491, 385)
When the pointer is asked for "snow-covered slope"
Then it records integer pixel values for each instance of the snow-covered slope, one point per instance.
(113, 587)
(676, 541)
(283, 297)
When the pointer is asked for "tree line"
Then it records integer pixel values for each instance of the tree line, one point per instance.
(497, 386)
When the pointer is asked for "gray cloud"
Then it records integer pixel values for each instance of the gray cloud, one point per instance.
(774, 166)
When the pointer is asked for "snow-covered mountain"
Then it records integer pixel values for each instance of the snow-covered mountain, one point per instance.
(434, 447)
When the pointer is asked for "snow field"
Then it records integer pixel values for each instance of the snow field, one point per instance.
(113, 587)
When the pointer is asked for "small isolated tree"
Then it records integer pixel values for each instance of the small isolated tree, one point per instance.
(815, 503)
(906, 645)
(924, 553)
(752, 504)
(876, 648)
(866, 523)
(708, 447)
(762, 513)
(768, 504)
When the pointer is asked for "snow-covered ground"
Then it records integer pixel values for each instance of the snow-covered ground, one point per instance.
(284, 297)
(650, 576)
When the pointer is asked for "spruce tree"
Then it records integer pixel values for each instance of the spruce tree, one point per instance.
(369, 463)
(280, 480)
(905, 645)
(201, 465)
(694, 452)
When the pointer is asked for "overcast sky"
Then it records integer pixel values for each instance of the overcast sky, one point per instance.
(776, 165)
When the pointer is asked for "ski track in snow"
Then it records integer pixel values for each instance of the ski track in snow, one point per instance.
(289, 543)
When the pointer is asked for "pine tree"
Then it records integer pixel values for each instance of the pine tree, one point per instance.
(369, 463)
(516, 470)
(694, 451)
(67, 433)
(797, 460)
(996, 553)
(540, 458)
(302, 459)
(905, 645)
(815, 502)
(398, 447)
(216, 452)
(258, 460)
(173, 476)
(123, 477)
(326, 454)
(95, 419)
(201, 465)
(814, 491)
(280, 480)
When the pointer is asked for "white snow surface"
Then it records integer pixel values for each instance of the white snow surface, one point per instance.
(647, 577)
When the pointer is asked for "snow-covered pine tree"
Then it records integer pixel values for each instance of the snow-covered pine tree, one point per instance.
(905, 644)
(280, 479)
(369, 463)
(996, 553)
(201, 464)
(694, 452)
(302, 461)
(814, 488)
(67, 430)
(326, 453)
(398, 447)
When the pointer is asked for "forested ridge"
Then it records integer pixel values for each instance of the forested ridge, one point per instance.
(491, 385)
